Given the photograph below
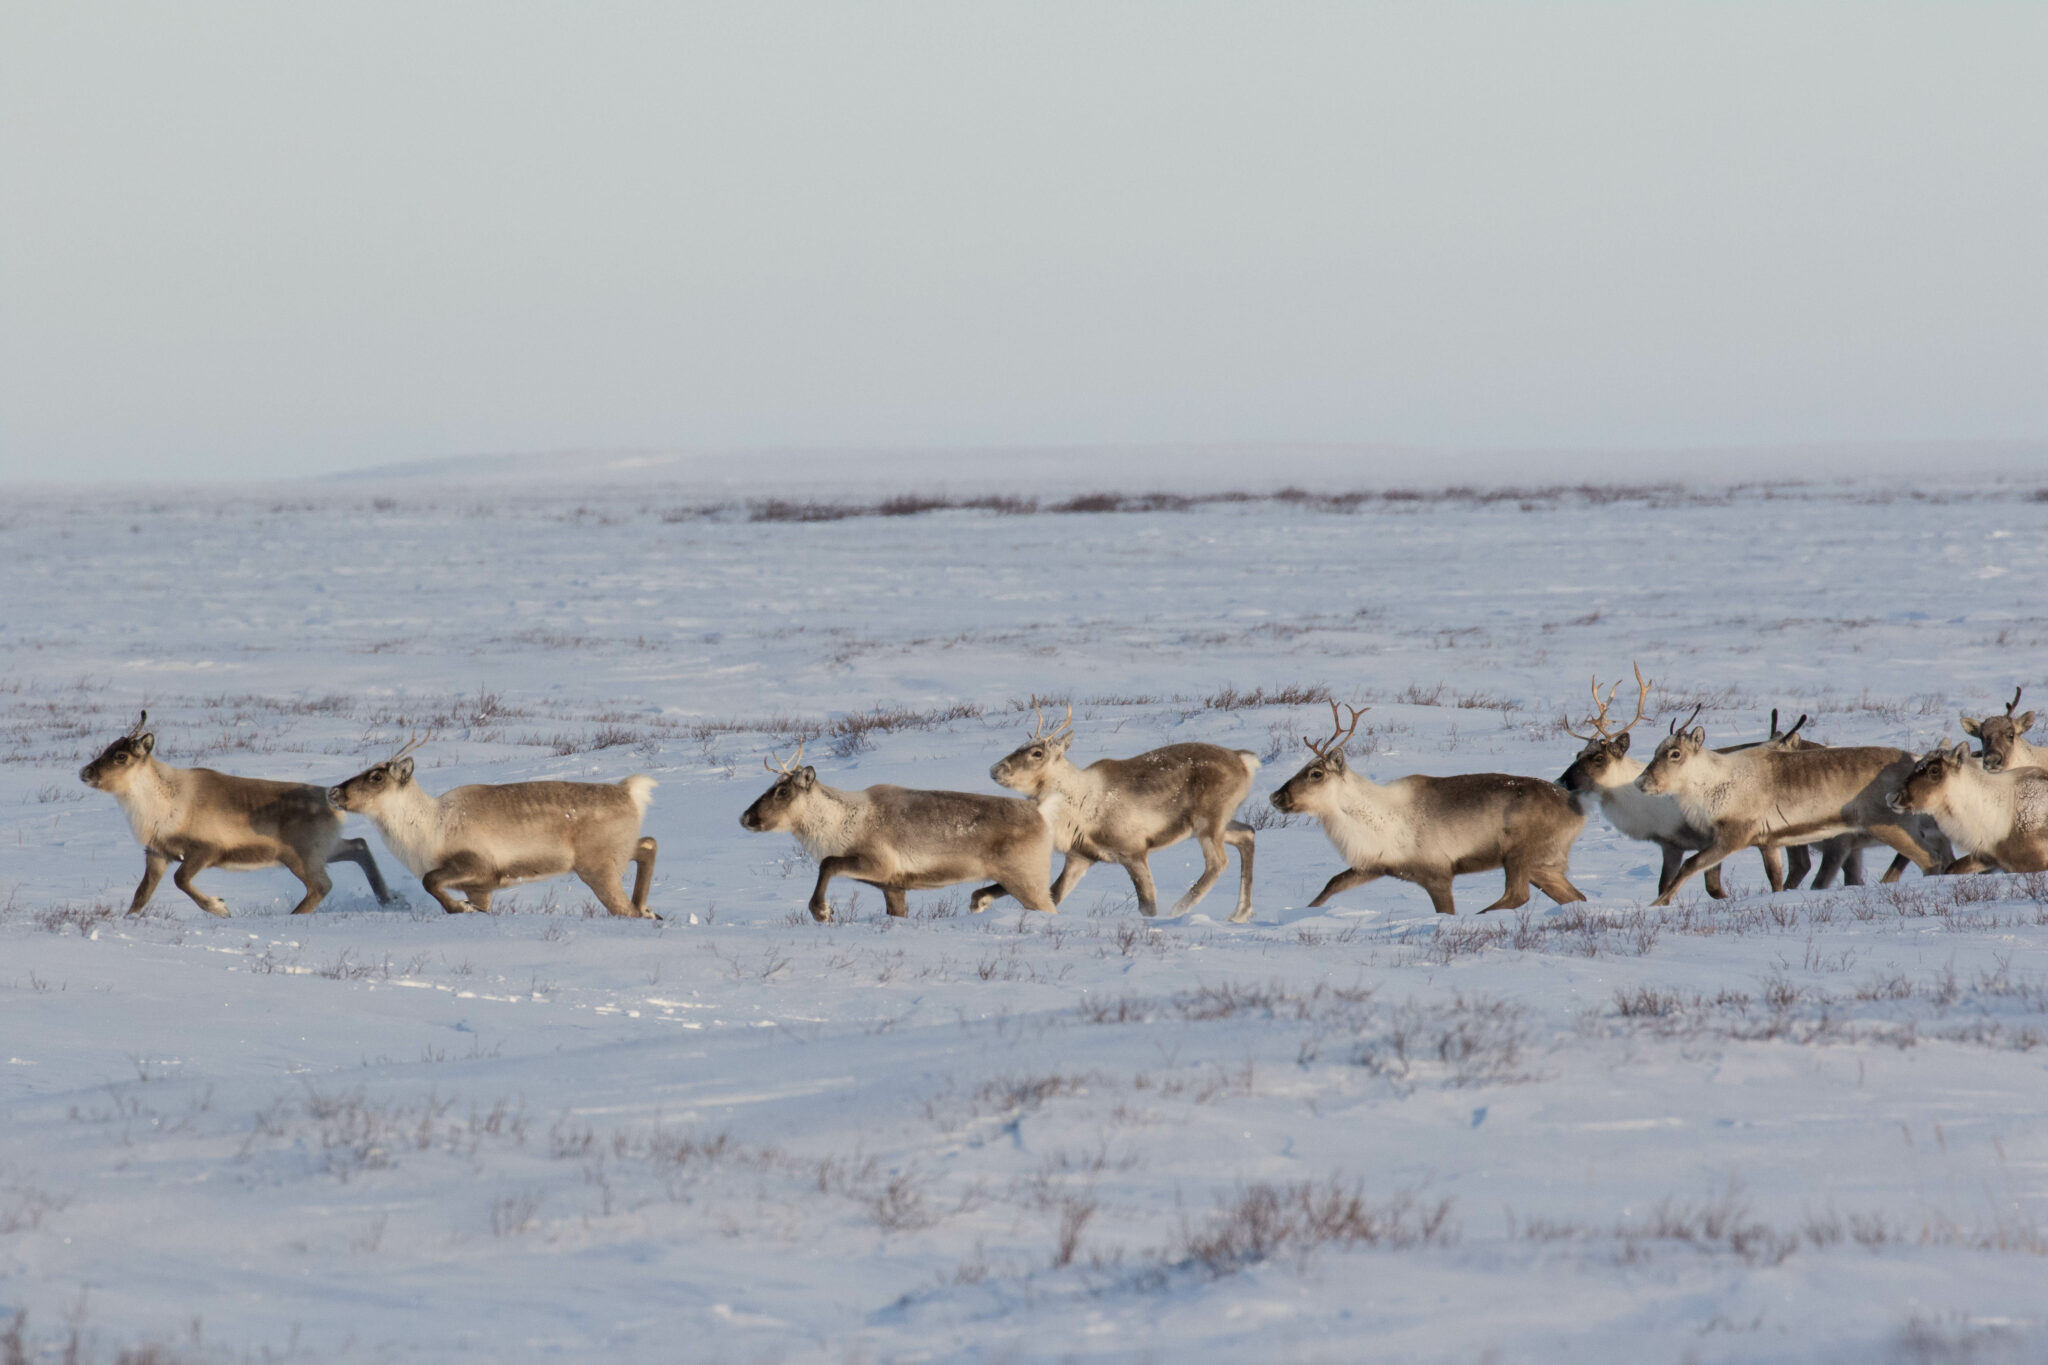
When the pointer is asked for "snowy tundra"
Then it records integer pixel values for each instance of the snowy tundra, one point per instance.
(1803, 1127)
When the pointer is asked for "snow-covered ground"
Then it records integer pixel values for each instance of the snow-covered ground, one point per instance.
(1804, 1127)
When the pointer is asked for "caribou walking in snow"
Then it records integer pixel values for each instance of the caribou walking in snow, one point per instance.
(897, 839)
(1428, 830)
(1119, 810)
(479, 839)
(199, 818)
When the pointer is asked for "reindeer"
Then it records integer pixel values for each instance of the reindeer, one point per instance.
(896, 839)
(199, 818)
(1427, 830)
(1775, 796)
(2001, 739)
(1604, 770)
(1118, 810)
(480, 838)
(1841, 855)
(1999, 818)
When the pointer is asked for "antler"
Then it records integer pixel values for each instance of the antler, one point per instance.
(1599, 719)
(1789, 733)
(2014, 702)
(1676, 727)
(144, 720)
(410, 745)
(1039, 731)
(1340, 734)
(779, 765)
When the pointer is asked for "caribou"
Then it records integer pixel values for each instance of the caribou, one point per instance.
(1427, 830)
(2002, 741)
(481, 838)
(1774, 796)
(896, 839)
(199, 818)
(1119, 810)
(1604, 771)
(1998, 818)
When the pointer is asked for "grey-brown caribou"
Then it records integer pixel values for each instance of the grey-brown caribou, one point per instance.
(2003, 739)
(481, 838)
(1998, 819)
(898, 839)
(1119, 810)
(1777, 796)
(1604, 770)
(199, 818)
(1428, 830)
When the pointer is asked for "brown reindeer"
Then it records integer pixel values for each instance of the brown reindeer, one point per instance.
(1998, 819)
(1119, 810)
(198, 818)
(1427, 830)
(1771, 795)
(479, 839)
(2003, 739)
(1604, 770)
(897, 839)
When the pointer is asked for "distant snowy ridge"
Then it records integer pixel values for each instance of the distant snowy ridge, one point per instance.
(1206, 468)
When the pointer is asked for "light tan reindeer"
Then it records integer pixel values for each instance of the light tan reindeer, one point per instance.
(1840, 855)
(1428, 830)
(1998, 819)
(1773, 795)
(478, 839)
(199, 818)
(897, 839)
(1604, 770)
(1119, 810)
(2003, 739)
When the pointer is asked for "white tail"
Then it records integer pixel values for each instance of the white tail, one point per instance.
(640, 791)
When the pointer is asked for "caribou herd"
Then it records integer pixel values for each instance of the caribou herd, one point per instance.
(1946, 811)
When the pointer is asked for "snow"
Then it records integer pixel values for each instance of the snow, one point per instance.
(1791, 1128)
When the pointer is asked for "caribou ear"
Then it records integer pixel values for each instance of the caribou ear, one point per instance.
(1336, 760)
(1961, 753)
(1970, 727)
(1621, 742)
(2023, 722)
(402, 770)
(146, 741)
(806, 777)
(1698, 734)
(1058, 743)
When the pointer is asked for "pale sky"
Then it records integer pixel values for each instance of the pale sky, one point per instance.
(299, 237)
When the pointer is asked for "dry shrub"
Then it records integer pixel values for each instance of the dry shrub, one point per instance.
(1264, 1221)
(1230, 698)
(1470, 1040)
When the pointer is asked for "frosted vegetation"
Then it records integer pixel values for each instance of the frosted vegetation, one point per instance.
(1811, 1126)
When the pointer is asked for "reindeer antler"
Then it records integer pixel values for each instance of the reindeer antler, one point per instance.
(410, 745)
(1039, 731)
(144, 720)
(2014, 702)
(779, 765)
(1599, 719)
(1676, 727)
(1340, 733)
(1789, 733)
